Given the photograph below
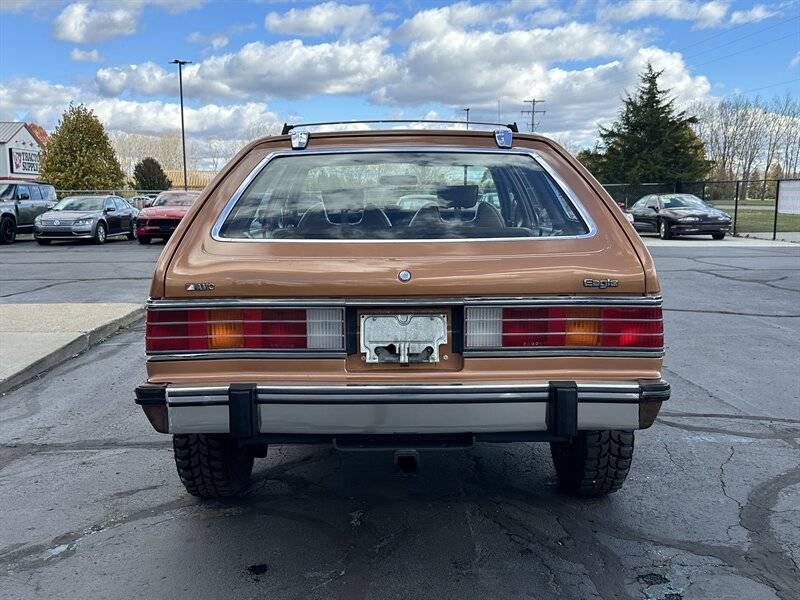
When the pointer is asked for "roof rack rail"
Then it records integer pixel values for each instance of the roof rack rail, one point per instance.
(287, 127)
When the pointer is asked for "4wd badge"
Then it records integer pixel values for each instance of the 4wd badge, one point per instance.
(600, 283)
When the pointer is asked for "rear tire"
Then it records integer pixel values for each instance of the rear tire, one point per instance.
(211, 465)
(718, 236)
(42, 242)
(144, 240)
(131, 235)
(595, 463)
(8, 230)
(664, 231)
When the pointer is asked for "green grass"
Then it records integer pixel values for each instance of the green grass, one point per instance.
(762, 220)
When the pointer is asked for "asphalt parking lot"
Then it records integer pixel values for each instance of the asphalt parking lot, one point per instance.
(92, 506)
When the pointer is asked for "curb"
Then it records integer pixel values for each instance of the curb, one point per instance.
(77, 346)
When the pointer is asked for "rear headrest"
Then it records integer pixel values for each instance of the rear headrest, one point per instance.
(336, 201)
(459, 196)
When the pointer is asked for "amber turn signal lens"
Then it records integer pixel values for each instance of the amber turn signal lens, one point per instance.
(225, 329)
(583, 327)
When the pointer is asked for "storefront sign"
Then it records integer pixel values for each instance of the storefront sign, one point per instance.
(24, 162)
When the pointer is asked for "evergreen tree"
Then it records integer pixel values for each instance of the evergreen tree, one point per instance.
(78, 155)
(148, 175)
(651, 142)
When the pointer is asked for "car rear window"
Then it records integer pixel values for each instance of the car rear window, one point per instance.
(401, 196)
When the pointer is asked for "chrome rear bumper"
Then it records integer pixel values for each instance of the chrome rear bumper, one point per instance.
(550, 409)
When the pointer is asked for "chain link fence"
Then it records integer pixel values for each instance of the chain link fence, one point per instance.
(752, 204)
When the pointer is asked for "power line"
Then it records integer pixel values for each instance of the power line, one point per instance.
(772, 41)
(741, 37)
(763, 87)
(716, 35)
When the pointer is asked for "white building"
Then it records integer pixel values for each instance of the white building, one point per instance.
(19, 151)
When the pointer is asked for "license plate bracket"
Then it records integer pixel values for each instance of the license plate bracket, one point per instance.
(403, 338)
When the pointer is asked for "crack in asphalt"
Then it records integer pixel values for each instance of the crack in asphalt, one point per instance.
(12, 452)
(68, 282)
(671, 413)
(734, 313)
(776, 434)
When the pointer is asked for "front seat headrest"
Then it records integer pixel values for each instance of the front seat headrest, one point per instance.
(459, 196)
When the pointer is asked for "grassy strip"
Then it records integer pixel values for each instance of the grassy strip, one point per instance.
(762, 220)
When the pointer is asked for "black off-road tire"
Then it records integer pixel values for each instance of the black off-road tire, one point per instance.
(595, 463)
(8, 230)
(144, 239)
(664, 230)
(718, 236)
(211, 465)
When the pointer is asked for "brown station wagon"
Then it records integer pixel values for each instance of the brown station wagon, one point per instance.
(403, 290)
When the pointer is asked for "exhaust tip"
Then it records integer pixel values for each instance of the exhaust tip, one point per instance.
(407, 461)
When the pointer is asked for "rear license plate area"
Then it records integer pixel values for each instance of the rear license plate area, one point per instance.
(402, 338)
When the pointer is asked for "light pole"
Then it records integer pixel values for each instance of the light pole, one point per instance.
(180, 64)
(466, 110)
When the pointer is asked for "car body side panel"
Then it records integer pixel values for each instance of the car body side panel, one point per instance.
(506, 267)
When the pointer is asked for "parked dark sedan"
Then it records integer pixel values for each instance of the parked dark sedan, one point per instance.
(86, 217)
(679, 214)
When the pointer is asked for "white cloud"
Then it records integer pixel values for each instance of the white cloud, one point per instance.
(147, 79)
(263, 70)
(353, 20)
(795, 62)
(85, 55)
(80, 23)
(91, 22)
(216, 41)
(704, 14)
(13, 6)
(758, 13)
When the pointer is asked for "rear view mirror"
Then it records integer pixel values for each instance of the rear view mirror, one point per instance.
(110, 209)
(24, 196)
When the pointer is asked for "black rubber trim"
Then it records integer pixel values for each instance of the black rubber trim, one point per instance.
(242, 411)
(654, 391)
(151, 394)
(562, 409)
(198, 403)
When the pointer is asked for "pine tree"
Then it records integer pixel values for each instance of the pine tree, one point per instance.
(78, 155)
(651, 142)
(148, 175)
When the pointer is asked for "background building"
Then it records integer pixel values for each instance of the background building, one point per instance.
(20, 145)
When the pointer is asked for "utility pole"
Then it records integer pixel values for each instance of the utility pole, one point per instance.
(180, 64)
(533, 112)
(466, 110)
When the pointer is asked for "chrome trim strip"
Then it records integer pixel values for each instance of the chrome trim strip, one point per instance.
(407, 301)
(536, 156)
(232, 354)
(600, 352)
(427, 393)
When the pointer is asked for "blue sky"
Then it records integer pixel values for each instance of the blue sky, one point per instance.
(258, 63)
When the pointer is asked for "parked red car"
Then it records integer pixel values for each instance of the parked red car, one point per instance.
(161, 219)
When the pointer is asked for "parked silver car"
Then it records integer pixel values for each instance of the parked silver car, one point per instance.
(87, 217)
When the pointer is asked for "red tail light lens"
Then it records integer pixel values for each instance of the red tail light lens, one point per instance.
(564, 326)
(201, 329)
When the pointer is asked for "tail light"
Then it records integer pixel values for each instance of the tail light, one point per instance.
(563, 326)
(202, 329)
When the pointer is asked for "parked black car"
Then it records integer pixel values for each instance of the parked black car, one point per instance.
(86, 217)
(20, 203)
(679, 214)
